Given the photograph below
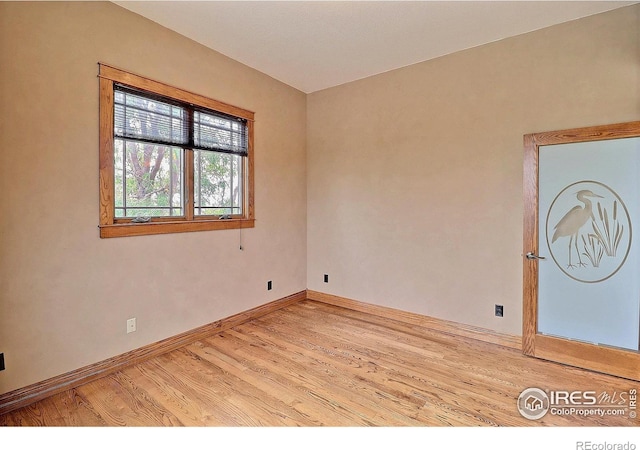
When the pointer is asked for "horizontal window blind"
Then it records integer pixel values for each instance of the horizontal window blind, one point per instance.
(151, 118)
(215, 131)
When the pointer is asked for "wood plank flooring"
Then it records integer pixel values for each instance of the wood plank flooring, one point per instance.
(312, 364)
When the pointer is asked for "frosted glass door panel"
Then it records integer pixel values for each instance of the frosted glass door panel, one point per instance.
(589, 211)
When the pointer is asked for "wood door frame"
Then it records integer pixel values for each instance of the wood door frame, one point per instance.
(613, 361)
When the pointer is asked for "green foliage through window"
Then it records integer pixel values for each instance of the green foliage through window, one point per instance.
(152, 136)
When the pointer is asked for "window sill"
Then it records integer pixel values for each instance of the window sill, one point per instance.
(142, 229)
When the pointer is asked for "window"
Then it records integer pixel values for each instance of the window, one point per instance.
(170, 160)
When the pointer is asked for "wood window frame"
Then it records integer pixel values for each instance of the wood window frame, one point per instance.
(109, 225)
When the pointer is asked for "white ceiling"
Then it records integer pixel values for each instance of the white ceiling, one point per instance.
(313, 45)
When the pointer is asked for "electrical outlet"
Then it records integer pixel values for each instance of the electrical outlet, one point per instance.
(131, 325)
(499, 311)
(269, 285)
(326, 278)
(1, 361)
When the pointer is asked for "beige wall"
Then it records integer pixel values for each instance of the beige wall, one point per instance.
(65, 294)
(414, 178)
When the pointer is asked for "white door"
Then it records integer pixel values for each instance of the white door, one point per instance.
(582, 266)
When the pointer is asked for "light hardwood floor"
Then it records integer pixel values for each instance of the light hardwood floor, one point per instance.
(313, 364)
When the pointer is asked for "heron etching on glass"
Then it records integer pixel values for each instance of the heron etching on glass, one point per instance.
(573, 221)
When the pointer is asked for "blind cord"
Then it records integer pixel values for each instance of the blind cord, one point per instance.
(241, 235)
